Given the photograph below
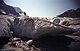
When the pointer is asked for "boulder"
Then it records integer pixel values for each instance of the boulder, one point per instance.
(75, 24)
(68, 22)
(5, 26)
(35, 28)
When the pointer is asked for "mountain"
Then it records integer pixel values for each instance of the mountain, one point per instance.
(71, 13)
(10, 10)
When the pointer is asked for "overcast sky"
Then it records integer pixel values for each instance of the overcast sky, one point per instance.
(43, 8)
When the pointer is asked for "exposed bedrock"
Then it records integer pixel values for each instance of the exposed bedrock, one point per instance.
(5, 25)
(68, 22)
(34, 28)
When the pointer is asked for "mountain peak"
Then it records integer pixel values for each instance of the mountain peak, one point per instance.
(71, 13)
(10, 10)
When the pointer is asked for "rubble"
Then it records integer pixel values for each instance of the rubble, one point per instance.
(18, 44)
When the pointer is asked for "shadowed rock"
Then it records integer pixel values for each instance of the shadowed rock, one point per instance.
(31, 28)
(73, 23)
(4, 27)
(37, 29)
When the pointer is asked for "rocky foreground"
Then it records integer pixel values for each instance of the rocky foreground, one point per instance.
(19, 32)
(33, 28)
(42, 33)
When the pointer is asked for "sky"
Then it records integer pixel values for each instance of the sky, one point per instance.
(44, 8)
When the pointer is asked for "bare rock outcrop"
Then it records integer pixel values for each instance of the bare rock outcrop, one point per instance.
(5, 25)
(69, 22)
(34, 28)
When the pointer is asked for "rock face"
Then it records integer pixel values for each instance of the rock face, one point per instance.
(75, 24)
(10, 10)
(71, 13)
(5, 24)
(68, 22)
(34, 28)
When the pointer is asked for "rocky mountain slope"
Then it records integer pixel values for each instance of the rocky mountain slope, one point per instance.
(71, 13)
(10, 10)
